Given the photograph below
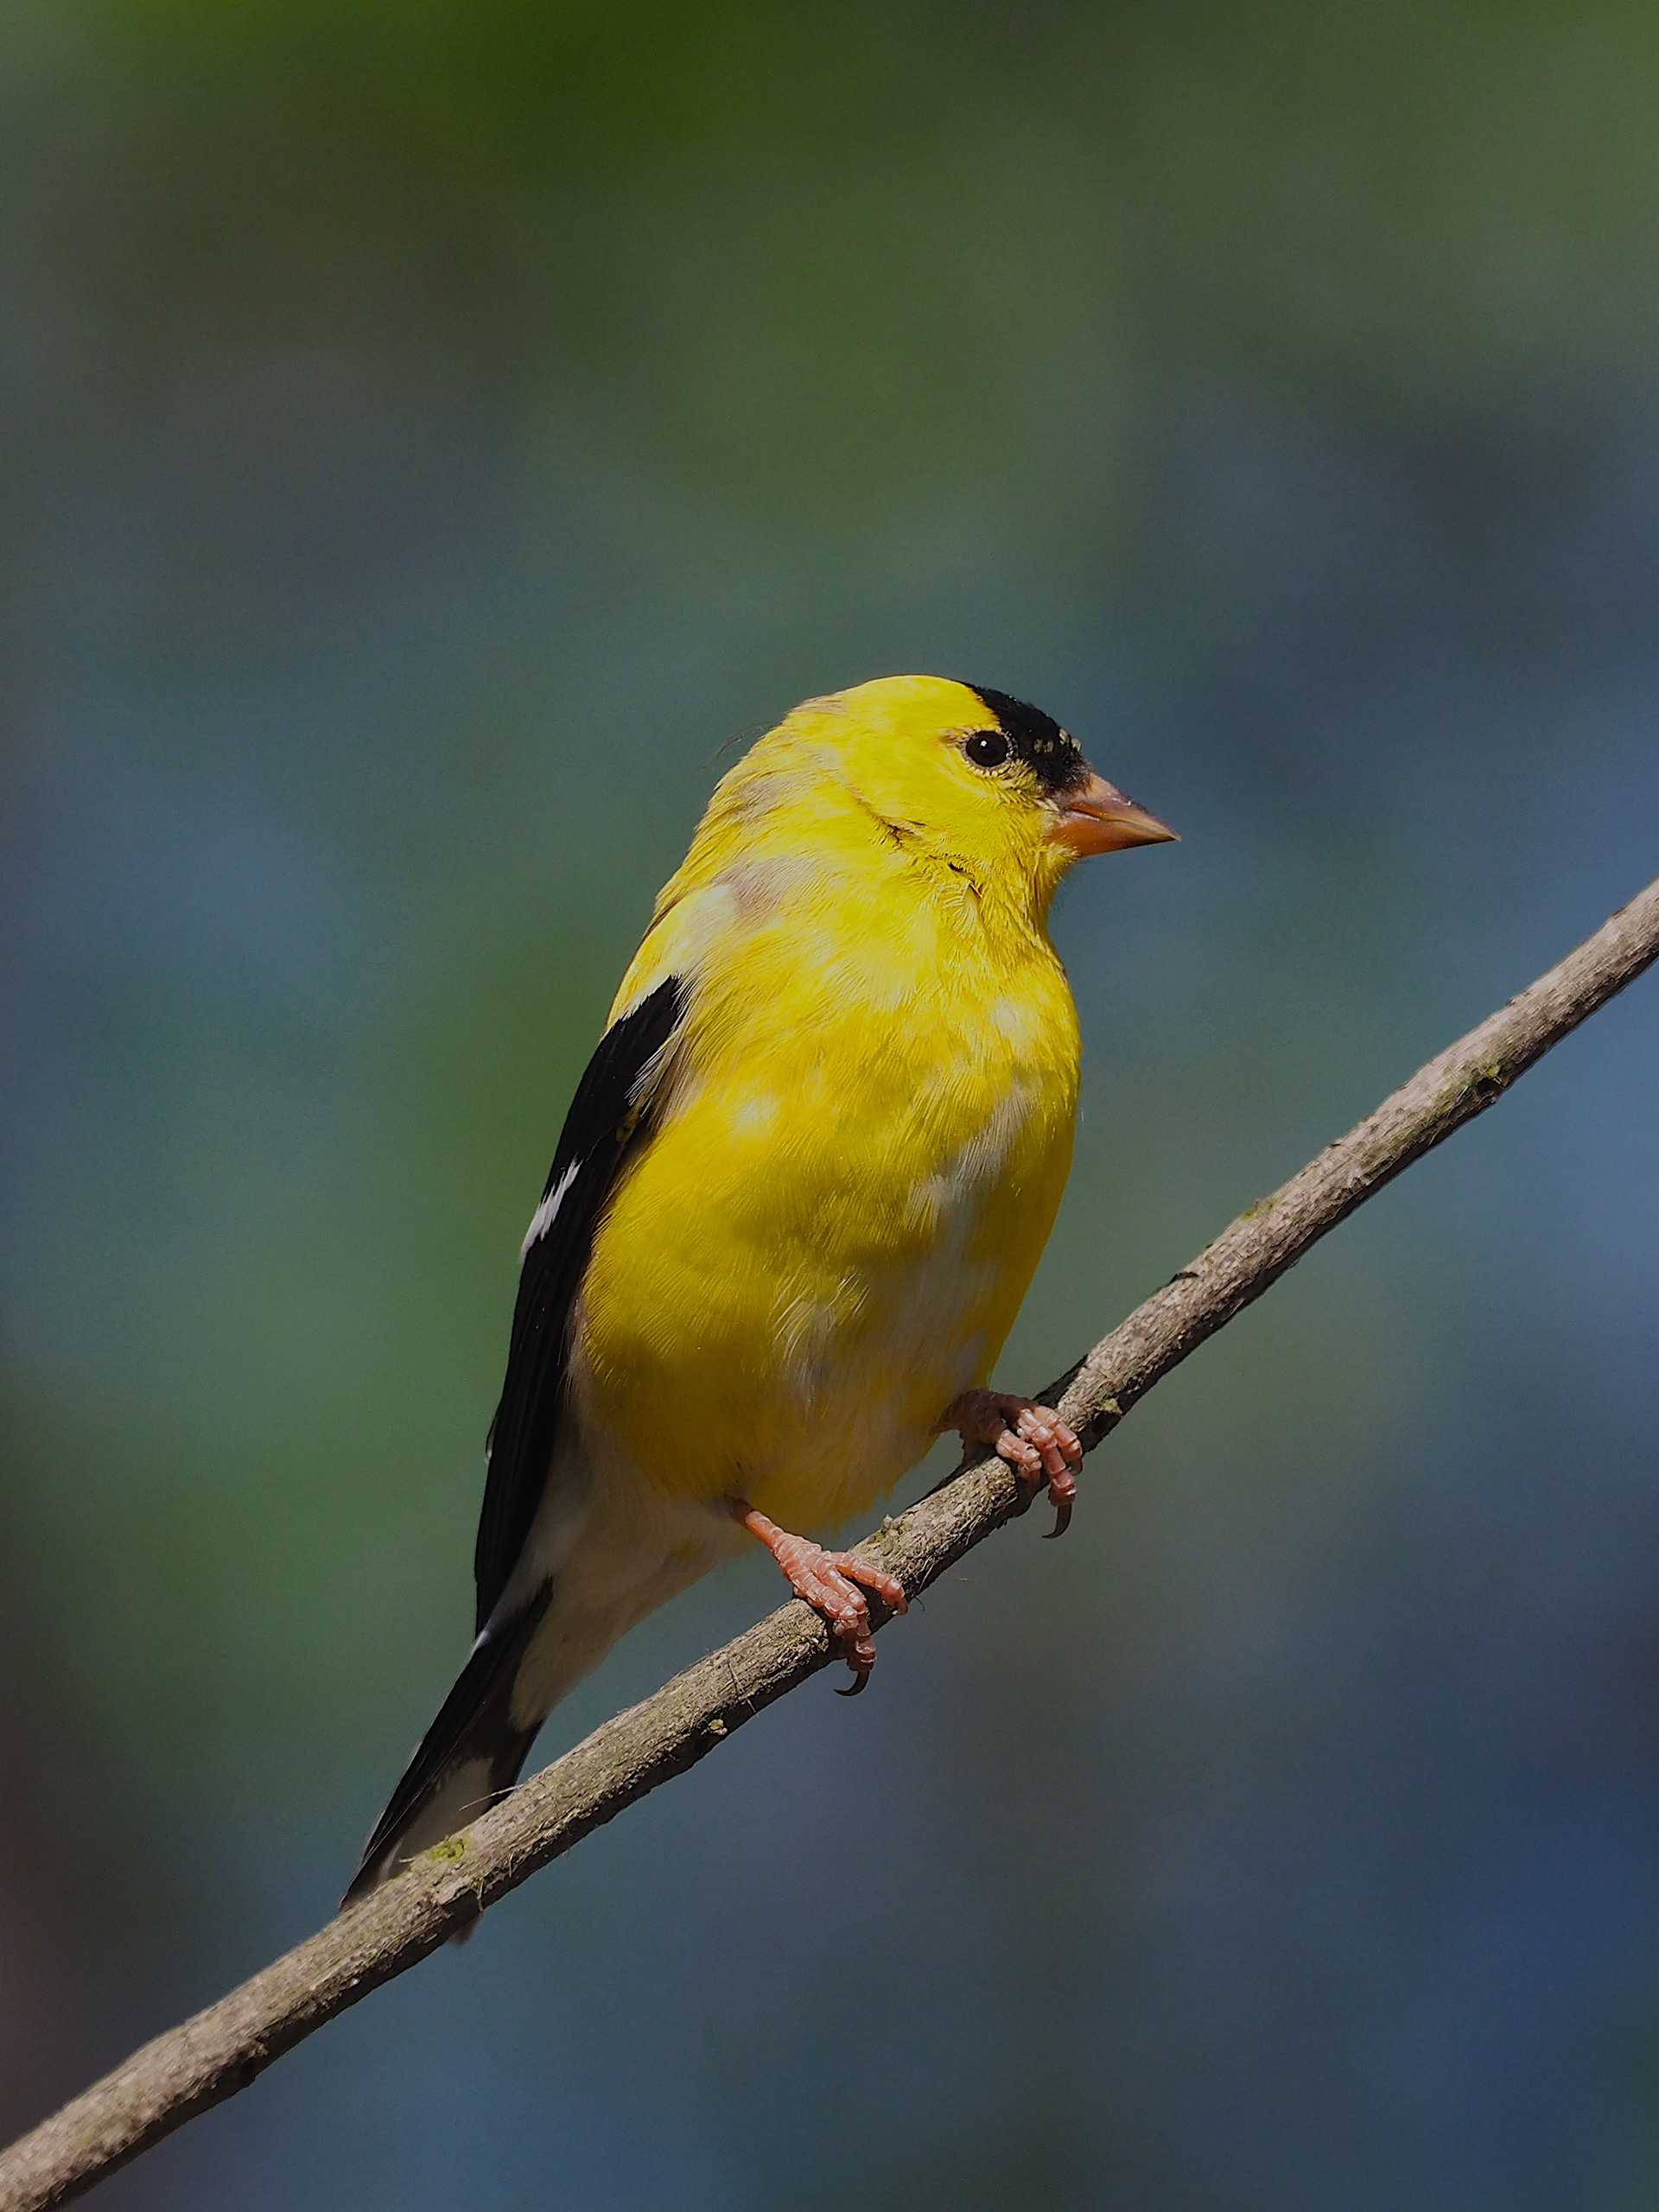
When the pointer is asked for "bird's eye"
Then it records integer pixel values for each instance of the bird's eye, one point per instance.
(988, 749)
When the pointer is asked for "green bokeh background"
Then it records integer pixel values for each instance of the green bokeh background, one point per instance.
(432, 432)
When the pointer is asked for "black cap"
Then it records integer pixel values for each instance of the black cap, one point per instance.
(1053, 756)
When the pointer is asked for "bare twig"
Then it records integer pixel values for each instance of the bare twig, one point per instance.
(221, 2050)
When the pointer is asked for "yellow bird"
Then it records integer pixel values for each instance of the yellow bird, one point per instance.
(798, 1197)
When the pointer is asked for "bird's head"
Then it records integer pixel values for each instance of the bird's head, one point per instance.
(969, 775)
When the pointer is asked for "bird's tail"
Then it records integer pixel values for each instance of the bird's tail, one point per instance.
(471, 1753)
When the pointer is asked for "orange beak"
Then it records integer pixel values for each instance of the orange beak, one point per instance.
(1099, 818)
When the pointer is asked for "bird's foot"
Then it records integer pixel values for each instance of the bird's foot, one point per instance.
(830, 1583)
(1034, 1439)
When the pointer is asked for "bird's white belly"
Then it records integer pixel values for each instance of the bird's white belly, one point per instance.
(615, 1546)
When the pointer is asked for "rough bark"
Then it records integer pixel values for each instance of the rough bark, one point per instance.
(221, 2050)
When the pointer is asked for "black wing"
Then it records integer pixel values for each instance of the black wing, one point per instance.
(607, 1116)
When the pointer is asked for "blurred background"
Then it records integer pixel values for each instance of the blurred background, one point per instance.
(433, 429)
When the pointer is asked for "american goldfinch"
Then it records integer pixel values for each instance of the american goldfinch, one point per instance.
(798, 1198)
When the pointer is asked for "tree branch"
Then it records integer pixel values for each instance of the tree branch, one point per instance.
(221, 2050)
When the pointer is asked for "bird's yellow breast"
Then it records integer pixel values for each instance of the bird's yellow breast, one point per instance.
(862, 1139)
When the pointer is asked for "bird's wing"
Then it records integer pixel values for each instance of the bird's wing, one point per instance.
(608, 1116)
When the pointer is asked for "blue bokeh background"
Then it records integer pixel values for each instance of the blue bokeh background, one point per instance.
(432, 432)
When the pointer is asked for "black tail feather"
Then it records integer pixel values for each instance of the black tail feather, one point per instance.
(474, 1725)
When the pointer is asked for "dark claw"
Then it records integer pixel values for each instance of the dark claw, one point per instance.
(1062, 1519)
(857, 1690)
